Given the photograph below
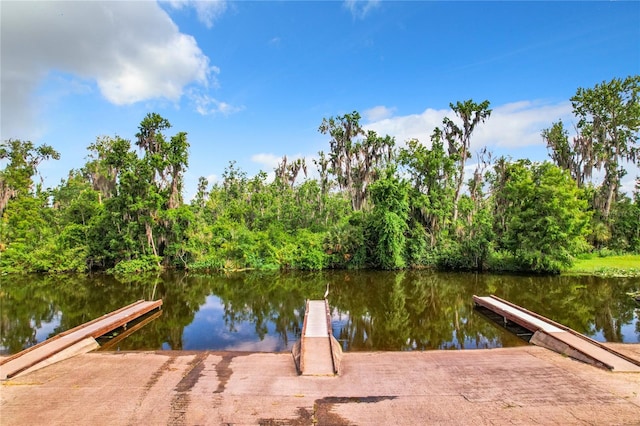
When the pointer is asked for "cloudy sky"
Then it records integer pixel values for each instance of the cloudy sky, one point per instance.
(252, 81)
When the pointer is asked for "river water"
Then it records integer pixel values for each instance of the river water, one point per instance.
(371, 311)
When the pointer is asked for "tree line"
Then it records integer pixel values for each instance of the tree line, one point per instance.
(372, 205)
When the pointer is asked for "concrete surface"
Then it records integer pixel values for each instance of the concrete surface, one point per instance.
(316, 357)
(526, 385)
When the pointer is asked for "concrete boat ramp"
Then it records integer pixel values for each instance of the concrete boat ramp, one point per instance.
(526, 385)
(523, 385)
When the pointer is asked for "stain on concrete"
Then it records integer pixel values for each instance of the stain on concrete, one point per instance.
(193, 374)
(166, 366)
(223, 370)
(181, 400)
(158, 373)
(355, 399)
(305, 418)
(179, 406)
(324, 415)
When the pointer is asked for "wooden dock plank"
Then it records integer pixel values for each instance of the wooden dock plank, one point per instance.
(85, 345)
(64, 333)
(37, 354)
(559, 338)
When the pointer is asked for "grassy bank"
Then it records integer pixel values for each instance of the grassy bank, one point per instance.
(610, 266)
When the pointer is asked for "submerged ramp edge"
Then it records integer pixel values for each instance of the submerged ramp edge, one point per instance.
(559, 338)
(80, 339)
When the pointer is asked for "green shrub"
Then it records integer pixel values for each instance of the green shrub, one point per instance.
(416, 250)
(209, 263)
(145, 263)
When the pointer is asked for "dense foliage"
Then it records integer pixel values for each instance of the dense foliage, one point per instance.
(372, 205)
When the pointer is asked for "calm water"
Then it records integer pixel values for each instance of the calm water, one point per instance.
(264, 311)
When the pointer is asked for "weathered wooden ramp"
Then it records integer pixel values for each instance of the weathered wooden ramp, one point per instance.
(317, 353)
(72, 342)
(557, 337)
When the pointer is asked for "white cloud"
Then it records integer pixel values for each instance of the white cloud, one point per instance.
(628, 182)
(361, 8)
(132, 50)
(413, 126)
(207, 105)
(212, 179)
(511, 125)
(268, 161)
(519, 124)
(207, 10)
(377, 113)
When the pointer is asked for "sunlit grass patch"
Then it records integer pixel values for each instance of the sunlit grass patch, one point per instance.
(611, 266)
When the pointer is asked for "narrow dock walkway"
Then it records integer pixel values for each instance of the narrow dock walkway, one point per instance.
(317, 353)
(77, 340)
(557, 337)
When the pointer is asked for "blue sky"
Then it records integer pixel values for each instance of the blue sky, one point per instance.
(252, 81)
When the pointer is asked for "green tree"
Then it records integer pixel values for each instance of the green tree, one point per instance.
(609, 121)
(387, 222)
(165, 161)
(26, 225)
(545, 219)
(142, 217)
(625, 225)
(431, 173)
(107, 158)
(23, 158)
(459, 138)
(576, 157)
(355, 155)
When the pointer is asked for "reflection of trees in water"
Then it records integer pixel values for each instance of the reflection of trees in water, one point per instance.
(413, 310)
(263, 298)
(79, 298)
(589, 305)
(23, 309)
(425, 310)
